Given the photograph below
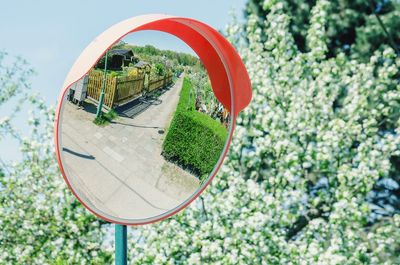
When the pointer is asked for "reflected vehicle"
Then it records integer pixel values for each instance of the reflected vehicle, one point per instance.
(157, 140)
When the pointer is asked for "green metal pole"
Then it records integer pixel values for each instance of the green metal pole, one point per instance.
(103, 88)
(121, 245)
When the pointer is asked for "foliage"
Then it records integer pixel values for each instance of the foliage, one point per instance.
(160, 69)
(114, 73)
(105, 119)
(171, 59)
(371, 35)
(133, 72)
(352, 25)
(149, 51)
(162, 62)
(110, 74)
(319, 134)
(204, 94)
(194, 140)
(40, 220)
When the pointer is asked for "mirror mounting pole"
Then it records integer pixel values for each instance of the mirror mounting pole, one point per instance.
(103, 88)
(121, 244)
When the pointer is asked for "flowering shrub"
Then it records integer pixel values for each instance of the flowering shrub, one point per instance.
(357, 27)
(316, 138)
(205, 98)
(40, 220)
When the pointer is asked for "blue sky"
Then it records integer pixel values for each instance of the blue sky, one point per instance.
(50, 35)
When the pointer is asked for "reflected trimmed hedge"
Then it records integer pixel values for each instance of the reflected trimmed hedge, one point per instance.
(194, 140)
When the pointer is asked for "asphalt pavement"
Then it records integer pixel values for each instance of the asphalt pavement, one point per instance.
(118, 169)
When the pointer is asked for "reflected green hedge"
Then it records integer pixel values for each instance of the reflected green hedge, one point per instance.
(194, 140)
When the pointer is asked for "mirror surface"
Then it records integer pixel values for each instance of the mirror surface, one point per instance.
(142, 132)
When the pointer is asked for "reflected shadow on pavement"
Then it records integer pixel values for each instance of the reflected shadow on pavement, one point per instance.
(89, 107)
(139, 105)
(137, 126)
(78, 154)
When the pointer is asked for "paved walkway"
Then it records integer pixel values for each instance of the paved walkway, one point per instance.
(120, 166)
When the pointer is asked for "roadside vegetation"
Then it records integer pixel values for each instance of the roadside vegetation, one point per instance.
(105, 118)
(312, 176)
(162, 62)
(194, 140)
(137, 64)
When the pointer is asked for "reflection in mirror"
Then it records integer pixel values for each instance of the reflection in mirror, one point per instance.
(142, 131)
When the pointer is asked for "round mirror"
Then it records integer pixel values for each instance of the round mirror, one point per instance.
(142, 133)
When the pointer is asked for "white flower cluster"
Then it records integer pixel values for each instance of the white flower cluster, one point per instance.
(317, 136)
(308, 150)
(40, 220)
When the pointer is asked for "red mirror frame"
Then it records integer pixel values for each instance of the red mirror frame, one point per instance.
(228, 75)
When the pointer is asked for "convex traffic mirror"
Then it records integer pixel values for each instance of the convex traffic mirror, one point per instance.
(141, 129)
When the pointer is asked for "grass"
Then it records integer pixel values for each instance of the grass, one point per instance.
(105, 119)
